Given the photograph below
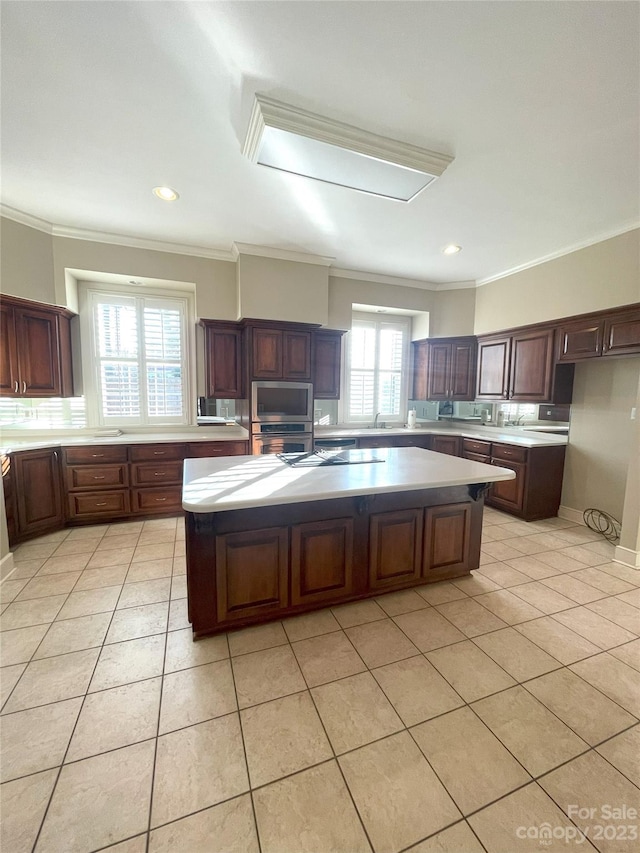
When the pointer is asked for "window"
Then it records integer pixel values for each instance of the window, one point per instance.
(137, 372)
(376, 368)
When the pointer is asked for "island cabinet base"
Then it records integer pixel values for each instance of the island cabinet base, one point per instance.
(254, 565)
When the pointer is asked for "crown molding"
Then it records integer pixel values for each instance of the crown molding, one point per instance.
(575, 247)
(25, 219)
(361, 275)
(143, 243)
(282, 254)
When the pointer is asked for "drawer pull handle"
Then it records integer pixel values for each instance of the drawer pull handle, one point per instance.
(160, 474)
(101, 503)
(24, 387)
(97, 455)
(160, 500)
(101, 477)
(159, 452)
(17, 387)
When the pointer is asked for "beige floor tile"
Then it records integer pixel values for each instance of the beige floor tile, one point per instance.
(100, 578)
(500, 551)
(115, 718)
(310, 625)
(100, 800)
(179, 566)
(355, 711)
(123, 528)
(625, 615)
(632, 597)
(516, 654)
(595, 628)
(268, 674)
(405, 601)
(150, 570)
(256, 639)
(111, 557)
(614, 678)
(178, 586)
(19, 645)
(155, 537)
(629, 654)
(416, 689)
(559, 561)
(326, 658)
(179, 548)
(144, 592)
(470, 617)
(133, 660)
(439, 593)
(428, 629)
(602, 580)
(532, 567)
(508, 607)
(152, 552)
(590, 781)
(197, 694)
(88, 531)
(538, 542)
(623, 573)
(90, 601)
(9, 589)
(43, 586)
(456, 839)
(623, 751)
(111, 543)
(503, 575)
(381, 642)
(178, 614)
(9, 677)
(131, 845)
(34, 551)
(542, 597)
(282, 737)
(24, 802)
(578, 535)
(470, 761)
(77, 546)
(160, 524)
(73, 635)
(358, 613)
(398, 795)
(36, 739)
(38, 611)
(573, 588)
(469, 671)
(26, 569)
(560, 641)
(588, 712)
(183, 651)
(530, 731)
(137, 622)
(198, 767)
(64, 564)
(231, 824)
(605, 548)
(476, 583)
(310, 812)
(53, 679)
(502, 827)
(583, 555)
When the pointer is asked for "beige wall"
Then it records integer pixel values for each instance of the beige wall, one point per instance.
(26, 262)
(601, 276)
(453, 313)
(343, 292)
(601, 435)
(273, 289)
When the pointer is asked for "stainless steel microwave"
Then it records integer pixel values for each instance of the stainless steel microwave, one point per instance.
(281, 401)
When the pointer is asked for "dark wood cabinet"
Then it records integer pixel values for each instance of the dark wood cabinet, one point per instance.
(376, 441)
(278, 353)
(223, 359)
(449, 444)
(35, 353)
(509, 494)
(536, 491)
(395, 548)
(447, 540)
(321, 560)
(38, 493)
(445, 369)
(326, 361)
(610, 333)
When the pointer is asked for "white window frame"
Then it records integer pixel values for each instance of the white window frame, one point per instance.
(89, 293)
(403, 323)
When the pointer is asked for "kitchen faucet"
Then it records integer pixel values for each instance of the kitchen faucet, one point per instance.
(375, 420)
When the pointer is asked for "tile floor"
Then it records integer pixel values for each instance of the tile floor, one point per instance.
(456, 717)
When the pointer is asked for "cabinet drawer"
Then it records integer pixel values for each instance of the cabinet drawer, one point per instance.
(477, 457)
(153, 452)
(474, 446)
(96, 454)
(157, 500)
(155, 473)
(96, 477)
(98, 503)
(510, 452)
(205, 449)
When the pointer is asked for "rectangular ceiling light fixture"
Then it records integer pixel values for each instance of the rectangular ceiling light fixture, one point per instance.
(303, 143)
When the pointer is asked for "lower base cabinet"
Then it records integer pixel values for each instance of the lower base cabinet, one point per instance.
(395, 548)
(321, 561)
(33, 492)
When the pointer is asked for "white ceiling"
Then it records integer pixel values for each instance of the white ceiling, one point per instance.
(537, 101)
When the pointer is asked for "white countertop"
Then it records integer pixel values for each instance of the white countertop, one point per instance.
(514, 435)
(247, 482)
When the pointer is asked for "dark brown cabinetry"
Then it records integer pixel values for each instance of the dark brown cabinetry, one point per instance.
(375, 441)
(326, 350)
(35, 350)
(444, 369)
(96, 482)
(604, 334)
(447, 537)
(449, 444)
(395, 548)
(280, 354)
(223, 359)
(321, 561)
(33, 493)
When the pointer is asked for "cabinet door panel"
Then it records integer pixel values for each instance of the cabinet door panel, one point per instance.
(96, 476)
(509, 494)
(167, 499)
(38, 491)
(493, 369)
(155, 473)
(463, 372)
(37, 335)
(223, 362)
(582, 339)
(439, 386)
(243, 591)
(217, 448)
(449, 444)
(296, 356)
(321, 560)
(8, 354)
(622, 334)
(395, 547)
(99, 504)
(531, 373)
(326, 365)
(447, 531)
(267, 354)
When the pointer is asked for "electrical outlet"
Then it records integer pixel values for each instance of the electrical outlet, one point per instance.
(633, 413)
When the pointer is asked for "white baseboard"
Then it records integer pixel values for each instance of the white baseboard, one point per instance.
(571, 514)
(627, 556)
(6, 566)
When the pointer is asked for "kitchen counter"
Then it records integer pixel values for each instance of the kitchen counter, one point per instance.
(248, 482)
(509, 435)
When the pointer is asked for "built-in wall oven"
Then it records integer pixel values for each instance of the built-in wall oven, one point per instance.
(283, 437)
(273, 402)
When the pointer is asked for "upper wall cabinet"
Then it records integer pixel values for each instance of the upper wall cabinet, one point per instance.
(326, 349)
(444, 369)
(520, 367)
(280, 354)
(223, 359)
(608, 333)
(35, 349)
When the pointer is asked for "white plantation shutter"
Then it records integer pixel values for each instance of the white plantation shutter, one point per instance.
(139, 348)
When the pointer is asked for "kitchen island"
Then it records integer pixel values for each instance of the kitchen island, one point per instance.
(266, 539)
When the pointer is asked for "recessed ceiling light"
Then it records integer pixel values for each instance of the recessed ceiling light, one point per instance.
(166, 193)
(302, 143)
(451, 249)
